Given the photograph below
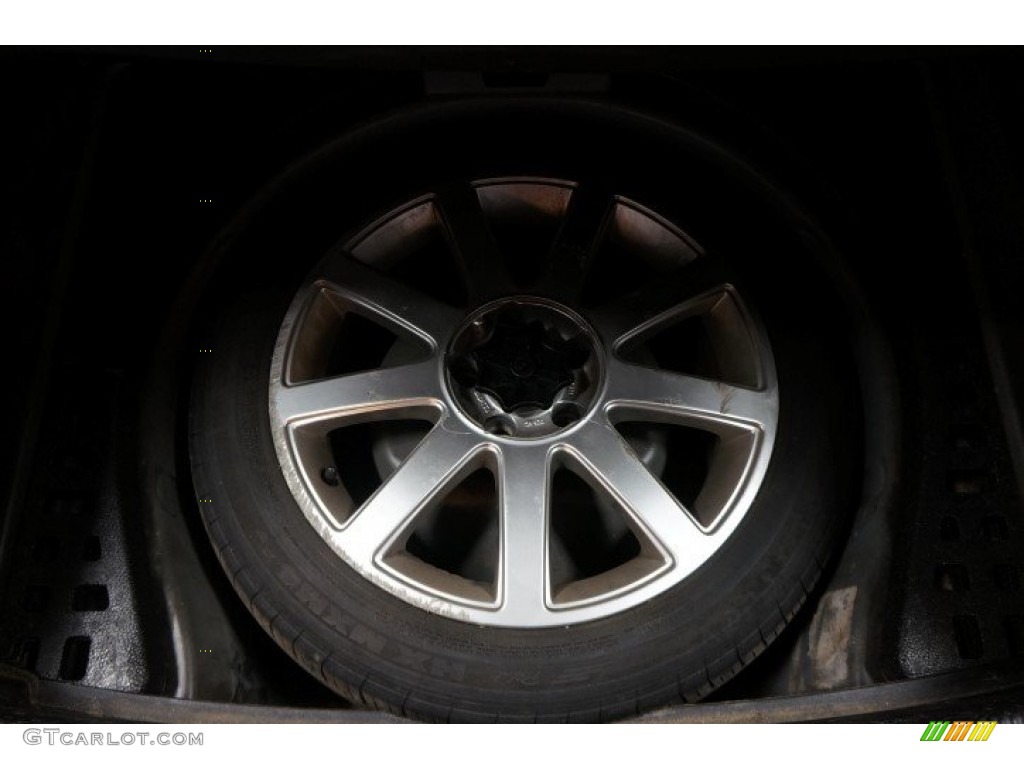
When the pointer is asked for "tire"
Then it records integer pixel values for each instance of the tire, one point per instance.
(683, 532)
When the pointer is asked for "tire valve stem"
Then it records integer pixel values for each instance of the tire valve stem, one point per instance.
(330, 476)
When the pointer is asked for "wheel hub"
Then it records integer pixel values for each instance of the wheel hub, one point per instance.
(524, 368)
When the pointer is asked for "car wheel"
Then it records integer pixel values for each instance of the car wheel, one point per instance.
(499, 423)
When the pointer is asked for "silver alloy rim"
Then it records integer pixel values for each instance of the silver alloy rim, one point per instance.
(673, 539)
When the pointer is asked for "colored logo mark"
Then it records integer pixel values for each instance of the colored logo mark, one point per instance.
(960, 730)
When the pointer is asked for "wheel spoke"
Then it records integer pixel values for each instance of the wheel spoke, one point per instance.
(606, 456)
(399, 308)
(524, 492)
(660, 395)
(581, 233)
(360, 396)
(478, 256)
(631, 317)
(431, 469)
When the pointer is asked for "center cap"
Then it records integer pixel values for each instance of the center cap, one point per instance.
(524, 367)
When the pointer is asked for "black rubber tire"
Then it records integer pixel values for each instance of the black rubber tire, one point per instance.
(382, 652)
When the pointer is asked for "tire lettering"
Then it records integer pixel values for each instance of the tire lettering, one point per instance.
(367, 638)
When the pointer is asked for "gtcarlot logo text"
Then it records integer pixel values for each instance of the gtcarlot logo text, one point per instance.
(68, 738)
